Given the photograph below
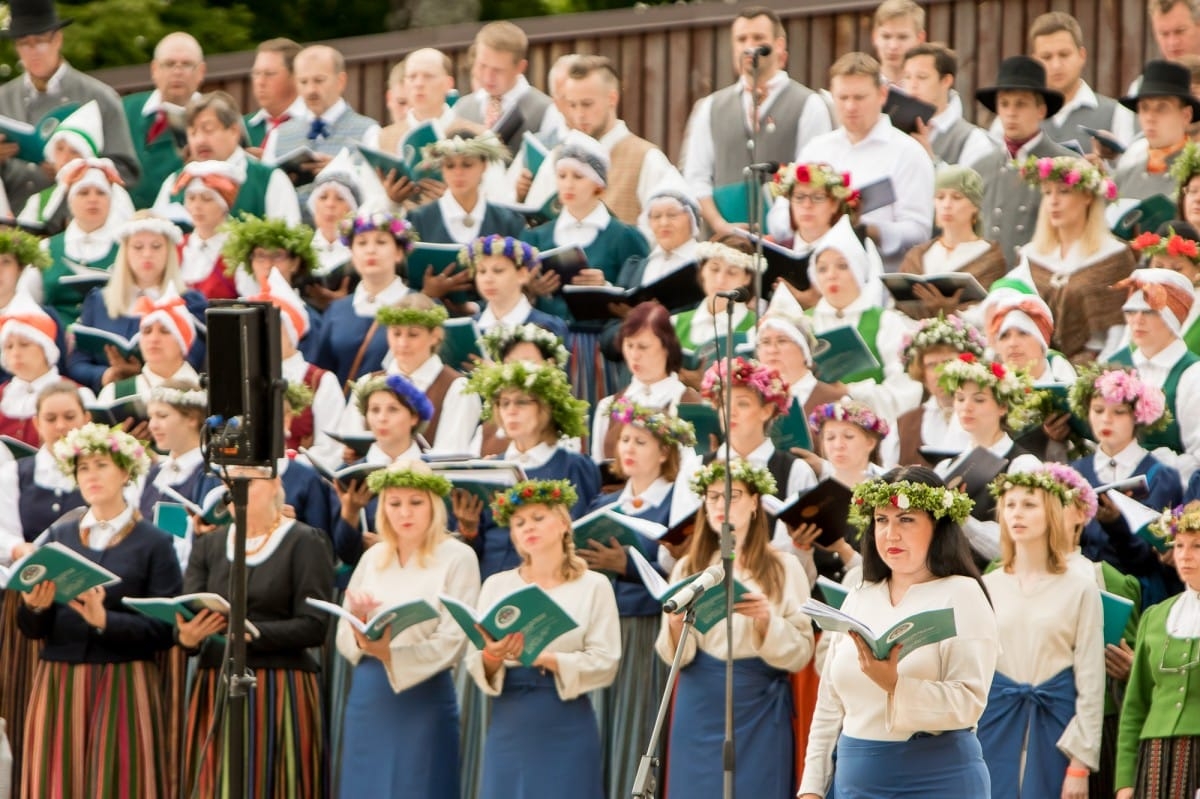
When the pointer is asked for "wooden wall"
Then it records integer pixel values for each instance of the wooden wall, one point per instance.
(670, 56)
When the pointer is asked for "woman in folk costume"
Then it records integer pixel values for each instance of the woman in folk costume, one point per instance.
(38, 493)
(673, 218)
(1186, 171)
(79, 135)
(310, 426)
(89, 241)
(336, 195)
(402, 718)
(210, 189)
(1050, 622)
(146, 269)
(352, 343)
(502, 268)
(957, 204)
(167, 332)
(256, 246)
(987, 399)
(649, 444)
(1118, 657)
(415, 336)
(1158, 302)
(772, 637)
(1019, 326)
(20, 250)
(653, 355)
(839, 267)
(287, 562)
(785, 342)
(1159, 735)
(904, 728)
(1176, 246)
(96, 718)
(1122, 409)
(543, 733)
(1073, 259)
(933, 423)
(28, 352)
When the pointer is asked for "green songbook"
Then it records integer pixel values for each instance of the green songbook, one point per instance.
(835, 593)
(479, 477)
(32, 138)
(535, 152)
(213, 509)
(710, 608)
(441, 258)
(93, 340)
(385, 163)
(71, 572)
(18, 448)
(926, 627)
(173, 518)
(186, 605)
(360, 443)
(846, 354)
(116, 411)
(733, 202)
(607, 523)
(791, 430)
(1139, 518)
(529, 611)
(386, 623)
(704, 418)
(1145, 217)
(461, 342)
(1117, 610)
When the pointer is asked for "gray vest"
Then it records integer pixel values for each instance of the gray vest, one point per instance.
(347, 131)
(1098, 118)
(948, 146)
(777, 137)
(532, 104)
(1135, 183)
(1010, 205)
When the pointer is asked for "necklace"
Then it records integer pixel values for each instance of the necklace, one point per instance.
(947, 245)
(265, 538)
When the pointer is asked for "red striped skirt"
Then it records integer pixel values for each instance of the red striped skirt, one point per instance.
(285, 737)
(1168, 768)
(18, 662)
(93, 730)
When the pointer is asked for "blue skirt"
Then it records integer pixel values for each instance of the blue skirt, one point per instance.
(1030, 718)
(538, 746)
(950, 764)
(403, 744)
(764, 740)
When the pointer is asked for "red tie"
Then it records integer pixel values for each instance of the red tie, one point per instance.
(158, 126)
(274, 122)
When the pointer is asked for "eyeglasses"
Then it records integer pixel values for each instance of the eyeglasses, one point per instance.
(514, 402)
(713, 497)
(664, 216)
(179, 66)
(812, 199)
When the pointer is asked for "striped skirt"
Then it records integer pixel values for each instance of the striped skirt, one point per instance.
(18, 662)
(1168, 768)
(284, 738)
(93, 730)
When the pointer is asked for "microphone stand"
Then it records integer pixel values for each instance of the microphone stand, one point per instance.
(754, 183)
(644, 783)
(727, 545)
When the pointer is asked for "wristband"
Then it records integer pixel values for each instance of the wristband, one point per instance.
(491, 657)
(1078, 772)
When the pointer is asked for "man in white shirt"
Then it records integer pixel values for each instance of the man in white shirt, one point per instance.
(897, 27)
(870, 148)
(929, 72)
(274, 87)
(788, 116)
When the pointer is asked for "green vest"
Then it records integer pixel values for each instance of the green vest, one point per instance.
(252, 196)
(256, 131)
(1170, 437)
(683, 328)
(159, 158)
(66, 300)
(1192, 337)
(868, 328)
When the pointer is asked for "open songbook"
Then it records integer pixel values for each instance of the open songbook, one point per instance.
(164, 608)
(912, 633)
(386, 623)
(71, 572)
(710, 608)
(528, 610)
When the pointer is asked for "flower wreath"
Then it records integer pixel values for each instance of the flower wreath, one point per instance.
(524, 255)
(1176, 520)
(1010, 388)
(749, 261)
(848, 410)
(949, 331)
(248, 232)
(485, 145)
(1037, 477)
(937, 501)
(495, 341)
(403, 476)
(401, 229)
(430, 319)
(412, 397)
(180, 398)
(1070, 170)
(1076, 482)
(24, 247)
(1119, 386)
(531, 492)
(1151, 244)
(1186, 166)
(763, 379)
(759, 479)
(97, 439)
(298, 396)
(548, 383)
(819, 176)
(666, 427)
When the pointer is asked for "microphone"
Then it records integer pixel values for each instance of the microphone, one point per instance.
(736, 295)
(761, 51)
(685, 596)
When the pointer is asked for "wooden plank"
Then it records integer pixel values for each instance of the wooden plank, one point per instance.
(675, 81)
(938, 23)
(966, 23)
(1085, 12)
(656, 55)
(633, 83)
(822, 32)
(981, 71)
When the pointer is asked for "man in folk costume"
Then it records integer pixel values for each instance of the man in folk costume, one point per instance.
(274, 86)
(789, 114)
(48, 83)
(1022, 102)
(1159, 302)
(1165, 107)
(156, 117)
(214, 130)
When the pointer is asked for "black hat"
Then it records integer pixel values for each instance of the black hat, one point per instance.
(1165, 79)
(1020, 73)
(31, 17)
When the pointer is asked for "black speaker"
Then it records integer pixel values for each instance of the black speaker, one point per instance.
(245, 397)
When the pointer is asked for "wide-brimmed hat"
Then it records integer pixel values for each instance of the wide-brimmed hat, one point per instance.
(1020, 73)
(31, 17)
(1165, 79)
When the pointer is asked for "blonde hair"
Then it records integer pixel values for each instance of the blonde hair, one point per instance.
(120, 290)
(422, 302)
(504, 37)
(1059, 541)
(852, 64)
(435, 534)
(757, 557)
(890, 10)
(1095, 230)
(573, 567)
(1054, 22)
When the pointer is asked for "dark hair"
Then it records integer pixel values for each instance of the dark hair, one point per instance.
(754, 12)
(949, 553)
(657, 319)
(945, 60)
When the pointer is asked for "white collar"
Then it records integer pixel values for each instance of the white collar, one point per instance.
(682, 254)
(614, 136)
(879, 132)
(101, 534)
(758, 457)
(154, 103)
(185, 372)
(852, 311)
(517, 316)
(774, 83)
(174, 471)
(1164, 359)
(75, 235)
(285, 526)
(297, 110)
(704, 319)
(1084, 98)
(377, 457)
(333, 113)
(509, 98)
(451, 209)
(658, 394)
(652, 497)
(53, 85)
(1127, 459)
(597, 219)
(423, 376)
(1027, 147)
(945, 119)
(366, 305)
(539, 455)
